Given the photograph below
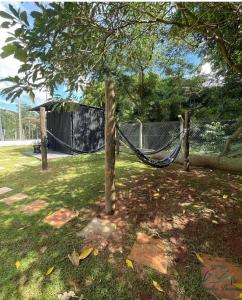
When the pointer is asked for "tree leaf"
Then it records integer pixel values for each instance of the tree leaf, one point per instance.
(49, 271)
(129, 263)
(8, 50)
(5, 24)
(20, 54)
(31, 95)
(17, 264)
(9, 39)
(85, 253)
(199, 257)
(5, 15)
(74, 258)
(35, 14)
(238, 285)
(24, 17)
(157, 286)
(13, 10)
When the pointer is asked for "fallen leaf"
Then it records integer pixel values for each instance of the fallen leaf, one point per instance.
(17, 264)
(157, 286)
(96, 252)
(238, 285)
(156, 194)
(240, 295)
(214, 221)
(43, 249)
(49, 271)
(199, 257)
(67, 295)
(129, 263)
(225, 196)
(85, 253)
(74, 258)
(114, 226)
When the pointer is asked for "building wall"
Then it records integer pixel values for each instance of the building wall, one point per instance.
(82, 130)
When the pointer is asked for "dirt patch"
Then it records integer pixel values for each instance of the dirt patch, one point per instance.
(187, 210)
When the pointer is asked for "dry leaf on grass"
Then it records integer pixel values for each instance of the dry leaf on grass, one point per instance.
(74, 258)
(199, 257)
(157, 286)
(238, 285)
(225, 196)
(17, 264)
(85, 253)
(67, 295)
(129, 263)
(95, 252)
(49, 271)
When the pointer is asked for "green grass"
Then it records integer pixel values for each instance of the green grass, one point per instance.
(77, 183)
(73, 182)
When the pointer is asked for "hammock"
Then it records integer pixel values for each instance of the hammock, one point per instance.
(73, 149)
(152, 152)
(148, 161)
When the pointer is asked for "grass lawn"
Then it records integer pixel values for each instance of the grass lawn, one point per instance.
(177, 206)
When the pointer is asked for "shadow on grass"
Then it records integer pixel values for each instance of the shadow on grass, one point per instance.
(176, 206)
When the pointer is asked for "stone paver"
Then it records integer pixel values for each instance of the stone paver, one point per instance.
(219, 276)
(34, 207)
(60, 217)
(14, 198)
(97, 227)
(150, 252)
(4, 190)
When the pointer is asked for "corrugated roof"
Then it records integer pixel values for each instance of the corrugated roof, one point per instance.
(50, 104)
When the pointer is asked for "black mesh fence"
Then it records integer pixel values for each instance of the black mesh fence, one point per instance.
(206, 137)
(211, 137)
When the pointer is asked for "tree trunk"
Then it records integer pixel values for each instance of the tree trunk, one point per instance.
(43, 138)
(233, 137)
(109, 146)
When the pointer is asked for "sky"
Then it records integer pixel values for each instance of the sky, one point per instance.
(9, 66)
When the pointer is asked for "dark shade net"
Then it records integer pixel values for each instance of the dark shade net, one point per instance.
(82, 129)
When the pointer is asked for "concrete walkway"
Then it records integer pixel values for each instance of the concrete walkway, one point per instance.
(51, 154)
(19, 143)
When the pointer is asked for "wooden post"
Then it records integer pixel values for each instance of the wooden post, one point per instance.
(109, 145)
(140, 134)
(43, 138)
(181, 128)
(117, 143)
(186, 140)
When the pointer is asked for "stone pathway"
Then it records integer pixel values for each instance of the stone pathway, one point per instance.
(5, 190)
(60, 217)
(14, 198)
(56, 219)
(97, 227)
(34, 207)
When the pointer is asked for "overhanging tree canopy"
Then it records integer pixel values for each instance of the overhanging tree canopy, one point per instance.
(71, 42)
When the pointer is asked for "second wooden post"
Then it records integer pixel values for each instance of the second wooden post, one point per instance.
(109, 145)
(186, 140)
(43, 138)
